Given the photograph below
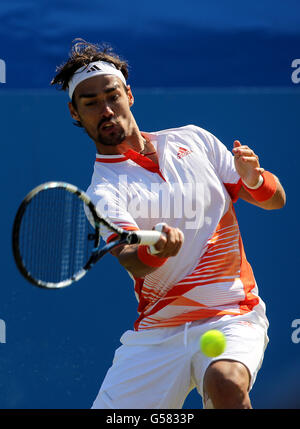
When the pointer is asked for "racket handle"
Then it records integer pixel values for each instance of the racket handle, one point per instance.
(150, 237)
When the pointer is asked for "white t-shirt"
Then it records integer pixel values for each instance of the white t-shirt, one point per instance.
(193, 188)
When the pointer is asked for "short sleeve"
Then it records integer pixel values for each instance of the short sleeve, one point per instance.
(223, 162)
(110, 205)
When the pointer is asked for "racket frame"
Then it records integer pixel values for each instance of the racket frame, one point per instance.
(125, 237)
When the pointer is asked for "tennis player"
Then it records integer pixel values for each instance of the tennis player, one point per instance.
(197, 276)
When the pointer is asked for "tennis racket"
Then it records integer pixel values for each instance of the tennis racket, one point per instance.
(56, 235)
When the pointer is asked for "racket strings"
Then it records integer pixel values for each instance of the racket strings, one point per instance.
(54, 236)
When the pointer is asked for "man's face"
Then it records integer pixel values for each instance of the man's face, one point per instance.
(103, 108)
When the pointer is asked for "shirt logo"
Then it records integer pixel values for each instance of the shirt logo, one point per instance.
(183, 152)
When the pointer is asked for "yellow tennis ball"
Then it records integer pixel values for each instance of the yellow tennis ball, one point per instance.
(212, 343)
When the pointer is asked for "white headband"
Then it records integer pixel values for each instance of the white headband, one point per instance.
(93, 69)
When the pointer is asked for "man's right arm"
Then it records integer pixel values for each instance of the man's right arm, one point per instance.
(167, 246)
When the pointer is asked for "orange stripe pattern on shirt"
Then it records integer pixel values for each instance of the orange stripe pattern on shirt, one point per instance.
(221, 283)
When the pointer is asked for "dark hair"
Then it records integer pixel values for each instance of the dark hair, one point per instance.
(82, 53)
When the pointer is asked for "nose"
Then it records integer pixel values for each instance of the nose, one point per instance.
(107, 111)
(106, 114)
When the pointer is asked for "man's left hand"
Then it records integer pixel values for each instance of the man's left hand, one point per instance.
(246, 164)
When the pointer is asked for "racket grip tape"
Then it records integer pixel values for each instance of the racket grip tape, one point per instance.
(149, 237)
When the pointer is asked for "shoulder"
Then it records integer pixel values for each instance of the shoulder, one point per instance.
(102, 190)
(96, 192)
(194, 136)
(188, 131)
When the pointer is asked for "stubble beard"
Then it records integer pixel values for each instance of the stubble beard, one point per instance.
(113, 139)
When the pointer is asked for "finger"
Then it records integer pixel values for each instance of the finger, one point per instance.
(236, 143)
(160, 244)
(165, 228)
(243, 150)
(171, 242)
(174, 242)
(249, 159)
(179, 242)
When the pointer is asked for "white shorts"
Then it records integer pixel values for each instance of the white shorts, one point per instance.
(157, 368)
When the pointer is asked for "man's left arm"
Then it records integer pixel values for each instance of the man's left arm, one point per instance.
(248, 167)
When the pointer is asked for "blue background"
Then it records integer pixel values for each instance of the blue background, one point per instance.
(224, 66)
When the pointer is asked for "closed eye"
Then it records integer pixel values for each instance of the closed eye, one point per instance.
(115, 97)
(91, 103)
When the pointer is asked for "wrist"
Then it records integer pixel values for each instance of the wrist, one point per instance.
(149, 259)
(259, 183)
(265, 190)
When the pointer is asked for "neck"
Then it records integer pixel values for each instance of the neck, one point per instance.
(142, 146)
(136, 142)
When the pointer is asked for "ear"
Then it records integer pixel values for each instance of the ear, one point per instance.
(73, 111)
(130, 96)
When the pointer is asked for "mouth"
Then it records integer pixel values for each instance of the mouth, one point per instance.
(108, 126)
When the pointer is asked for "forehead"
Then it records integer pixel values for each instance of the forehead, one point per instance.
(97, 85)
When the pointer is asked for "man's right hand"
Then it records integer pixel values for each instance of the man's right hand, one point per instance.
(170, 243)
